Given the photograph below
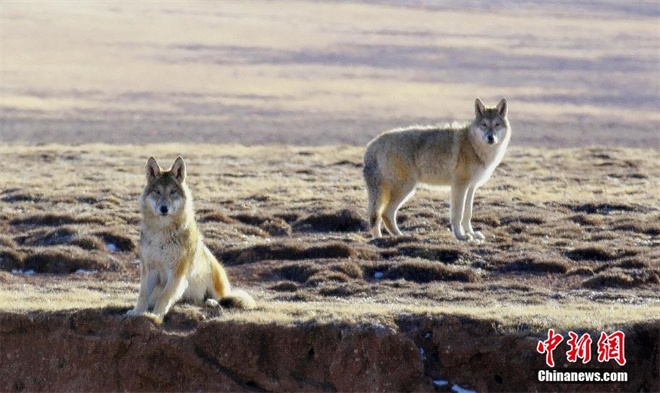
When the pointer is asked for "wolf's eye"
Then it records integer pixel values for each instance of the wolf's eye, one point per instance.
(497, 125)
(157, 192)
(173, 192)
(484, 125)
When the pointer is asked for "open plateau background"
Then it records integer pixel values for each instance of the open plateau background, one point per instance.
(271, 105)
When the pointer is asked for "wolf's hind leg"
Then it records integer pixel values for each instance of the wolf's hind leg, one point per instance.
(219, 286)
(377, 198)
(398, 197)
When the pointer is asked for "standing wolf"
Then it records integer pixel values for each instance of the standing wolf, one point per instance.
(460, 157)
(174, 261)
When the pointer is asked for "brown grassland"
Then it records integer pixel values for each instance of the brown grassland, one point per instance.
(572, 235)
(271, 104)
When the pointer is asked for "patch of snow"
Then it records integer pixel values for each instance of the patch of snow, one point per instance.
(212, 303)
(83, 271)
(427, 335)
(26, 272)
(379, 274)
(421, 352)
(440, 382)
(111, 247)
(459, 389)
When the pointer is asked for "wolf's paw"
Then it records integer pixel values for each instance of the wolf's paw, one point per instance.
(478, 236)
(463, 236)
(158, 319)
(134, 312)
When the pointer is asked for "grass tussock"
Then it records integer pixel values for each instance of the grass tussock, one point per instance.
(538, 263)
(117, 240)
(591, 253)
(274, 226)
(54, 219)
(603, 208)
(287, 252)
(8, 242)
(297, 272)
(216, 217)
(345, 220)
(621, 279)
(430, 252)
(89, 243)
(11, 259)
(44, 237)
(66, 260)
(587, 219)
(284, 286)
(420, 271)
(651, 228)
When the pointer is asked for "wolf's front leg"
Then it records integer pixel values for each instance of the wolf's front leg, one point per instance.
(148, 280)
(172, 292)
(458, 194)
(467, 216)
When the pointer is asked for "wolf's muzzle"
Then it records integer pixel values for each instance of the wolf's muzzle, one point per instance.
(163, 210)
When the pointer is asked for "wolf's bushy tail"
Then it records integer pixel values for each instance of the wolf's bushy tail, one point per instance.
(238, 298)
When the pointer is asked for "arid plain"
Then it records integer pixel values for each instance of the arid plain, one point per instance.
(271, 104)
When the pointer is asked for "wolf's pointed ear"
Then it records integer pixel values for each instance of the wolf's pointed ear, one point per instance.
(153, 169)
(503, 108)
(479, 108)
(179, 169)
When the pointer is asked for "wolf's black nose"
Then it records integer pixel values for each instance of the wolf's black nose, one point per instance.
(491, 139)
(163, 209)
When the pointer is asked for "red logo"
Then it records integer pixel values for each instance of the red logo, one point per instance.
(579, 348)
(610, 347)
(548, 346)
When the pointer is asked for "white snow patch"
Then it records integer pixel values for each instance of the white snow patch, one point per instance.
(83, 271)
(379, 274)
(26, 272)
(111, 247)
(459, 389)
(421, 352)
(440, 382)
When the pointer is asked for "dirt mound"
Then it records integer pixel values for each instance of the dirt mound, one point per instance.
(136, 355)
(538, 263)
(11, 259)
(66, 259)
(345, 220)
(53, 219)
(618, 278)
(44, 237)
(211, 356)
(285, 251)
(591, 253)
(434, 253)
(424, 272)
(117, 241)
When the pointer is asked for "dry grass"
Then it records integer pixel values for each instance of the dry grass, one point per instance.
(560, 249)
